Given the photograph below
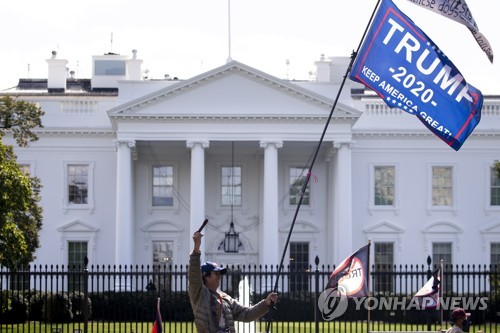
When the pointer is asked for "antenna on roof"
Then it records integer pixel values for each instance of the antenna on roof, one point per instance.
(229, 59)
(28, 71)
(111, 50)
(287, 62)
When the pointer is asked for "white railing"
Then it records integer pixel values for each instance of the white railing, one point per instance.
(79, 106)
(379, 108)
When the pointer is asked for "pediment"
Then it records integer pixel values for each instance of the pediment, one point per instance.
(384, 228)
(493, 228)
(443, 227)
(77, 226)
(161, 226)
(233, 90)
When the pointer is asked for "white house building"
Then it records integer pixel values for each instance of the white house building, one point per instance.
(131, 167)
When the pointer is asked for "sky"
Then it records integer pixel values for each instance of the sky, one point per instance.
(184, 38)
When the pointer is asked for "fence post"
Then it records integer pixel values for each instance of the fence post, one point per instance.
(316, 277)
(427, 311)
(85, 295)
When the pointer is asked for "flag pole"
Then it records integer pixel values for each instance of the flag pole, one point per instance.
(306, 182)
(441, 265)
(368, 320)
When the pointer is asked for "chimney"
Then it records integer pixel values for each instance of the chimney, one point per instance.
(322, 69)
(56, 80)
(338, 68)
(134, 67)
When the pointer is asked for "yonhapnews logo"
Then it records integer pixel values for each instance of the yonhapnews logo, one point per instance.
(333, 303)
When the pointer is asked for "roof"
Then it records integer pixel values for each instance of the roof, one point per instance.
(73, 87)
(137, 107)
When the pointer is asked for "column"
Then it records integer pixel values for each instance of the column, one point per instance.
(197, 189)
(124, 243)
(268, 229)
(329, 231)
(343, 204)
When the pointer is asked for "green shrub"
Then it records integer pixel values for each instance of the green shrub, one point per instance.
(57, 308)
(36, 300)
(5, 302)
(77, 302)
(14, 308)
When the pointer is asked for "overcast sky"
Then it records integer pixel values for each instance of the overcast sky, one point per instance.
(183, 38)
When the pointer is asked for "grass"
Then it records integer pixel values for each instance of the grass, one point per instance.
(188, 327)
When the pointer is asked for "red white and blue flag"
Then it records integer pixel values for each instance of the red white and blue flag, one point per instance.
(408, 71)
(350, 278)
(427, 296)
(158, 325)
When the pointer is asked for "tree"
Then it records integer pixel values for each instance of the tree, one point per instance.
(19, 117)
(496, 167)
(20, 215)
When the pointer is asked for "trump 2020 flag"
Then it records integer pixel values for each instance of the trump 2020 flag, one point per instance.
(409, 72)
(157, 326)
(350, 278)
(427, 296)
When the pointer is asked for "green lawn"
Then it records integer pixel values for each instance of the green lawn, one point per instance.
(187, 327)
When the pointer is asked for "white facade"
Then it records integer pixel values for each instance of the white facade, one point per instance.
(190, 125)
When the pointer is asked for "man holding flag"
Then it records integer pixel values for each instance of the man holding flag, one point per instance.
(215, 311)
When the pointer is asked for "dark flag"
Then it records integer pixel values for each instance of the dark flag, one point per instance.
(427, 296)
(157, 326)
(409, 72)
(350, 278)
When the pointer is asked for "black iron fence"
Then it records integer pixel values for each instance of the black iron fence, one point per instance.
(123, 299)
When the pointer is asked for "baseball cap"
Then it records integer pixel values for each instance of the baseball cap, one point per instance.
(459, 313)
(212, 267)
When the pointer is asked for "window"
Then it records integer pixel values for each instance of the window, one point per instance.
(384, 263)
(231, 186)
(109, 67)
(77, 252)
(20, 278)
(443, 250)
(384, 185)
(25, 169)
(299, 266)
(163, 189)
(494, 188)
(78, 181)
(162, 260)
(296, 182)
(495, 255)
(442, 186)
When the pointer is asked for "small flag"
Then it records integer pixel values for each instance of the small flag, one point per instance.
(409, 72)
(157, 326)
(427, 296)
(351, 276)
(458, 11)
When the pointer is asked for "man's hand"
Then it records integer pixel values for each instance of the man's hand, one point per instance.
(271, 299)
(197, 241)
